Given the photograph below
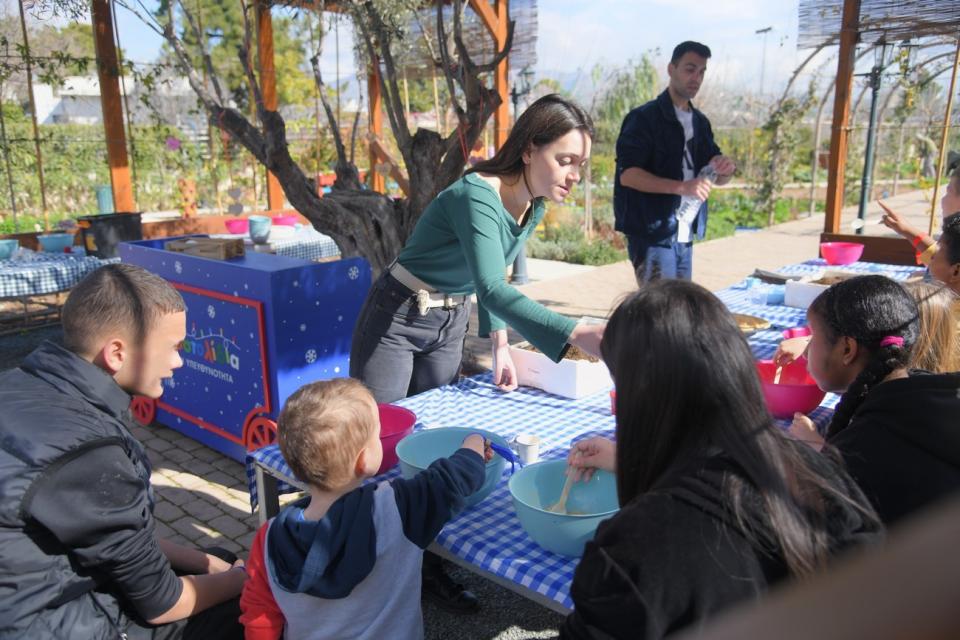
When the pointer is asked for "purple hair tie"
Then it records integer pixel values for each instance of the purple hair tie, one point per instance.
(892, 340)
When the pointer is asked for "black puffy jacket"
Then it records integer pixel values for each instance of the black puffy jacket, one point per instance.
(78, 551)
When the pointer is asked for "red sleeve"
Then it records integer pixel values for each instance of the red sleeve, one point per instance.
(261, 617)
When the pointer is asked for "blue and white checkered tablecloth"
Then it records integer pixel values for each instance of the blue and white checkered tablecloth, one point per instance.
(45, 273)
(737, 297)
(310, 245)
(489, 535)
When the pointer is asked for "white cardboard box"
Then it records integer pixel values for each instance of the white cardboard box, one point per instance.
(567, 378)
(801, 293)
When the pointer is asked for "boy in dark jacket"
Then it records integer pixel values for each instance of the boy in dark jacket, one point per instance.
(345, 561)
(79, 555)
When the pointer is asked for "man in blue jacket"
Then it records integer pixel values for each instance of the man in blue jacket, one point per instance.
(662, 147)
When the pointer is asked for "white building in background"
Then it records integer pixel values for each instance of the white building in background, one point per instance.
(77, 101)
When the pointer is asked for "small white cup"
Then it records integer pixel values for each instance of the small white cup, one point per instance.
(527, 447)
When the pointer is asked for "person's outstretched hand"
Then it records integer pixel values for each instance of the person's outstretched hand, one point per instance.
(587, 338)
(504, 371)
(789, 350)
(803, 429)
(895, 221)
(590, 454)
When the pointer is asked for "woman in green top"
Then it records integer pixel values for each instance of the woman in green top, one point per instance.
(409, 336)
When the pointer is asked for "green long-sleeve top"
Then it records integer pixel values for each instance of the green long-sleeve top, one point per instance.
(462, 244)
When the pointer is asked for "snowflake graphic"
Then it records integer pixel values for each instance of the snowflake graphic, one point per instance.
(178, 267)
(339, 318)
(303, 327)
(353, 273)
(336, 369)
(296, 283)
(311, 356)
(172, 383)
(229, 398)
(211, 311)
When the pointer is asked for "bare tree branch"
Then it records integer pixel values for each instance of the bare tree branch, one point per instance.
(244, 54)
(446, 63)
(488, 67)
(388, 81)
(205, 55)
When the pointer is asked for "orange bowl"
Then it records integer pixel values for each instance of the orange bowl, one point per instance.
(796, 391)
(841, 252)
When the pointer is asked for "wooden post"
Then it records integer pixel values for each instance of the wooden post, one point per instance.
(108, 73)
(943, 139)
(495, 19)
(377, 182)
(500, 81)
(268, 87)
(849, 34)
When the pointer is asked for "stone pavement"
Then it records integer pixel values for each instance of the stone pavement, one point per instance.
(202, 496)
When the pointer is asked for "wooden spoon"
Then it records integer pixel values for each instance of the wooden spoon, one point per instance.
(561, 505)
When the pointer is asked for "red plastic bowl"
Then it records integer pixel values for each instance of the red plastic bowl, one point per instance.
(286, 219)
(396, 423)
(796, 391)
(841, 252)
(237, 225)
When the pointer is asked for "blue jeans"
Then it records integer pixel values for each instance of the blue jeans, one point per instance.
(653, 262)
(396, 352)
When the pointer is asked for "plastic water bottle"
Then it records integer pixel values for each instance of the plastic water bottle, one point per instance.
(690, 205)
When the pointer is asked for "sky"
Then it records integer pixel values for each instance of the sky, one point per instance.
(577, 34)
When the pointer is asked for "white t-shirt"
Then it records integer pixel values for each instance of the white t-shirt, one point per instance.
(686, 119)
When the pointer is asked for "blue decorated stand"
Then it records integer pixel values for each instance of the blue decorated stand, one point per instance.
(258, 328)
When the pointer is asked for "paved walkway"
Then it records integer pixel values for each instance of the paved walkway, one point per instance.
(202, 495)
(716, 264)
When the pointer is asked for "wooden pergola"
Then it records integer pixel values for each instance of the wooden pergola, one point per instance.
(852, 27)
(493, 13)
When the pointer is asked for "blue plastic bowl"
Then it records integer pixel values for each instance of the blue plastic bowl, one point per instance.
(55, 242)
(7, 247)
(419, 449)
(538, 486)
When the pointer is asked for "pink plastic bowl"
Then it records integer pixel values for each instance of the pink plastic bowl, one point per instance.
(237, 225)
(796, 391)
(286, 219)
(841, 252)
(396, 423)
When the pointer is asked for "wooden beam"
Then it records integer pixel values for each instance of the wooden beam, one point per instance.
(501, 117)
(485, 11)
(849, 35)
(268, 87)
(377, 182)
(108, 72)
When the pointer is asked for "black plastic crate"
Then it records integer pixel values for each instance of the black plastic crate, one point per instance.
(102, 233)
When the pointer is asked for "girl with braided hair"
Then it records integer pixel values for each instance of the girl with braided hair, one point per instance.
(897, 429)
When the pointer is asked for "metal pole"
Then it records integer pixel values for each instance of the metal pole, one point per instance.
(519, 275)
(943, 138)
(866, 182)
(33, 117)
